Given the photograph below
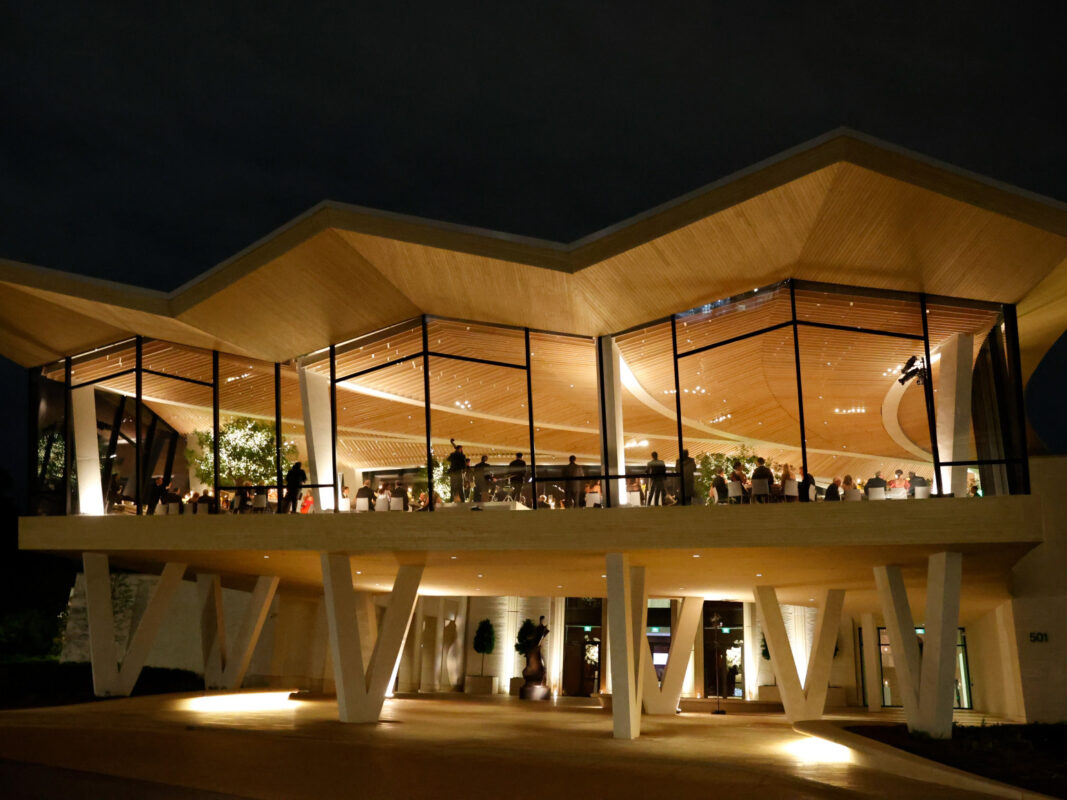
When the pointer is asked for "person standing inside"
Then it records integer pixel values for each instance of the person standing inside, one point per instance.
(572, 476)
(295, 479)
(481, 480)
(687, 470)
(457, 463)
(807, 484)
(657, 469)
(517, 476)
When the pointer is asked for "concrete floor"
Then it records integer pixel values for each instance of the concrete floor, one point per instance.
(445, 746)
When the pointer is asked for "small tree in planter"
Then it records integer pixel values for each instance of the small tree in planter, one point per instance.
(484, 641)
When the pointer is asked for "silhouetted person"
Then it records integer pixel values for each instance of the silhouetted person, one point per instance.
(295, 479)
(657, 470)
(482, 479)
(572, 476)
(457, 463)
(877, 482)
(833, 491)
(366, 493)
(807, 483)
(718, 486)
(687, 470)
(156, 493)
(516, 476)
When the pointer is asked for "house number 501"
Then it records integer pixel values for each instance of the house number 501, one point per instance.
(1038, 636)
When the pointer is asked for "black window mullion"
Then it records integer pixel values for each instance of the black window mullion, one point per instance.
(333, 427)
(677, 401)
(426, 409)
(800, 384)
(217, 505)
(278, 429)
(928, 393)
(138, 469)
(68, 434)
(530, 417)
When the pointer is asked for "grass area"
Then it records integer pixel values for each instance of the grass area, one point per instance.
(32, 683)
(1029, 756)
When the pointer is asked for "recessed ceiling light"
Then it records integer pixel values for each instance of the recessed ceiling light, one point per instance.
(266, 556)
(452, 557)
(603, 576)
(359, 572)
(480, 575)
(696, 555)
(759, 574)
(559, 585)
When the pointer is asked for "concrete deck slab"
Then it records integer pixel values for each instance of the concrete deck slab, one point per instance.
(440, 747)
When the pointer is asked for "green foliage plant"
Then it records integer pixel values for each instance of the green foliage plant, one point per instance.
(246, 453)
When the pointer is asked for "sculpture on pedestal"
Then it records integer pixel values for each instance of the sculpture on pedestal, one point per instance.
(528, 644)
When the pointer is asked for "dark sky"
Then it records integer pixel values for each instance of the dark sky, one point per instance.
(145, 142)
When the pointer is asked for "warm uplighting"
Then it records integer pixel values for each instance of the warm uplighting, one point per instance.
(813, 750)
(239, 703)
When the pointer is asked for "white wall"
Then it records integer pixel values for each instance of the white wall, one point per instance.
(1040, 599)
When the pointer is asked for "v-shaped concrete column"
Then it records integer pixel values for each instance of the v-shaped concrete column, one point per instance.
(109, 677)
(361, 692)
(661, 699)
(627, 612)
(225, 664)
(926, 680)
(807, 701)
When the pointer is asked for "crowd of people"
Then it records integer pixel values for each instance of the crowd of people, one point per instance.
(796, 485)
(569, 489)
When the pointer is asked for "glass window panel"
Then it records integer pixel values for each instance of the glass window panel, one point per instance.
(566, 416)
(855, 309)
(293, 438)
(47, 495)
(506, 345)
(381, 347)
(739, 402)
(484, 408)
(970, 378)
(176, 445)
(381, 432)
(859, 418)
(649, 418)
(176, 359)
(118, 450)
(736, 316)
(101, 362)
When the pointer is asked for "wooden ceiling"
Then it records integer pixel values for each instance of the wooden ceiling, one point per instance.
(843, 209)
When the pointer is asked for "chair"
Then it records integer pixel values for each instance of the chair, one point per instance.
(259, 504)
(853, 495)
(761, 490)
(382, 503)
(734, 491)
(174, 508)
(592, 499)
(790, 489)
(362, 504)
(876, 493)
(396, 503)
(897, 494)
(922, 492)
(813, 495)
(344, 504)
(634, 498)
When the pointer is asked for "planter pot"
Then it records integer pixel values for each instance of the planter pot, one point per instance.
(515, 685)
(535, 692)
(605, 701)
(480, 684)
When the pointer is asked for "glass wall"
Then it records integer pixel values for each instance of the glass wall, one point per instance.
(841, 381)
(890, 685)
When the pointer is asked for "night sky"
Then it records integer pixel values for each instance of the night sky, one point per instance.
(145, 143)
